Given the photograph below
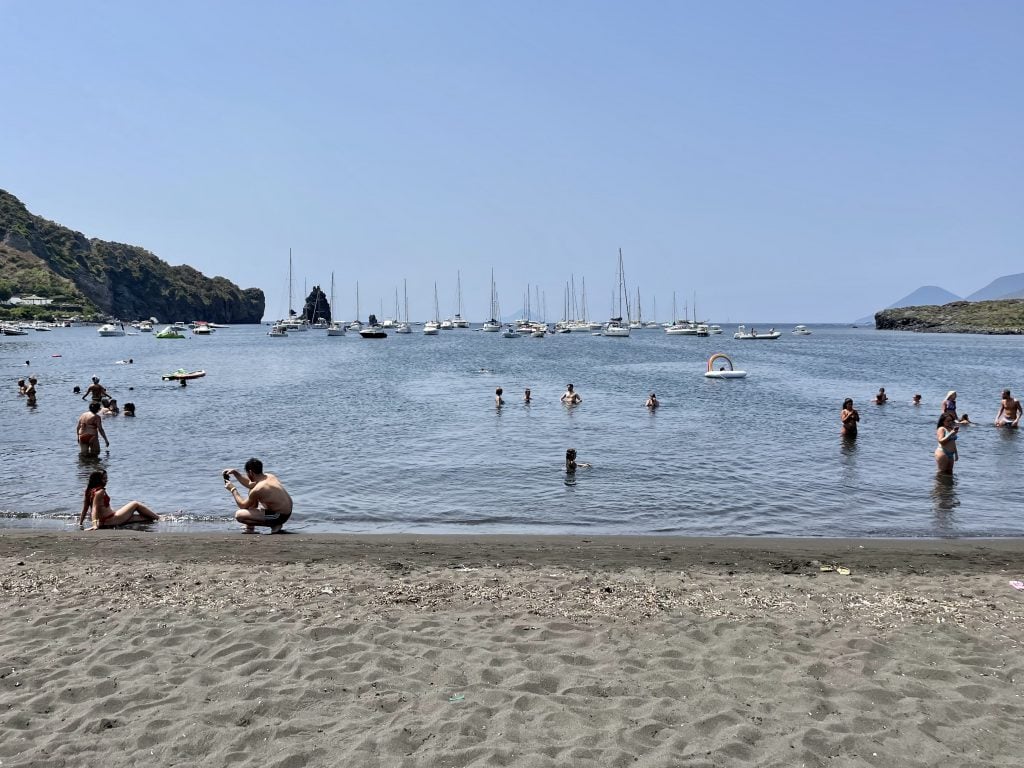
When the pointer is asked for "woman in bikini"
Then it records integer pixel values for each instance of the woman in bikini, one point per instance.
(946, 453)
(849, 417)
(90, 429)
(97, 500)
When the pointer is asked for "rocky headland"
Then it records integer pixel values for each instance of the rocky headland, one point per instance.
(94, 277)
(1005, 316)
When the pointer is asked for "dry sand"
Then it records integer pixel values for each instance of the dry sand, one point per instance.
(128, 649)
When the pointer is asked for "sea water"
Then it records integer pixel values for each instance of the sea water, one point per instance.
(402, 434)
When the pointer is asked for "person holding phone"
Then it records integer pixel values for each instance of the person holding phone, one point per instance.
(268, 503)
(946, 433)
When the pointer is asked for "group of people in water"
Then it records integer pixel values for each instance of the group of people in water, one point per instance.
(89, 428)
(948, 426)
(569, 397)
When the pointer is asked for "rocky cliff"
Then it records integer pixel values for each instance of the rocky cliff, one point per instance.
(126, 281)
(991, 317)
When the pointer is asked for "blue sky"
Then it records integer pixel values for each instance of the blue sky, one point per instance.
(785, 161)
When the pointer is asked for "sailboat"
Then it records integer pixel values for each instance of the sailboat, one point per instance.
(459, 321)
(431, 327)
(292, 323)
(615, 325)
(680, 327)
(335, 328)
(492, 325)
(639, 322)
(404, 327)
(356, 325)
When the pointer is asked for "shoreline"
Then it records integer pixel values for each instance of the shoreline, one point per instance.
(657, 552)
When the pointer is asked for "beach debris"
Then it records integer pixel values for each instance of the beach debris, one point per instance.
(840, 569)
(456, 697)
(1017, 584)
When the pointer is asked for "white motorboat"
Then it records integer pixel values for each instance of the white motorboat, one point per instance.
(681, 328)
(510, 332)
(702, 330)
(200, 329)
(277, 331)
(801, 330)
(714, 329)
(145, 327)
(725, 369)
(108, 329)
(753, 335)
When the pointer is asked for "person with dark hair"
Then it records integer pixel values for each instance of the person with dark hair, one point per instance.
(946, 433)
(96, 391)
(22, 386)
(849, 417)
(571, 465)
(268, 503)
(97, 501)
(1009, 411)
(89, 430)
(129, 409)
(571, 396)
(652, 401)
(881, 398)
(498, 399)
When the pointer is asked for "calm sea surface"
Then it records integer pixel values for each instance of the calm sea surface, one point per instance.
(401, 434)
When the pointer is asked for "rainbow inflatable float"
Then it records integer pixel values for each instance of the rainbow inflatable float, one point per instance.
(725, 371)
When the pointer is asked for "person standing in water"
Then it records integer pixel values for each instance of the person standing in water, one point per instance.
(652, 401)
(881, 398)
(949, 404)
(946, 454)
(571, 465)
(571, 396)
(95, 390)
(849, 418)
(498, 399)
(1009, 411)
(89, 430)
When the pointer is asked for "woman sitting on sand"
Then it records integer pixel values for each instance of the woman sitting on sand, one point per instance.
(946, 454)
(97, 500)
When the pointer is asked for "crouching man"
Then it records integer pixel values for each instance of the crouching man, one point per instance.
(268, 503)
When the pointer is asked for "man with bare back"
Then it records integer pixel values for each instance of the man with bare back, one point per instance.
(268, 503)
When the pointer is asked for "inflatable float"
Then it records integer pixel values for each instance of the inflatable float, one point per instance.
(725, 371)
(181, 373)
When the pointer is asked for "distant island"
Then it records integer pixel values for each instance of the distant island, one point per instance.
(67, 274)
(1005, 316)
(1005, 287)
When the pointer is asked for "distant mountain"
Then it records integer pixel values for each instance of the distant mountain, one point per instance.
(1006, 287)
(90, 275)
(925, 295)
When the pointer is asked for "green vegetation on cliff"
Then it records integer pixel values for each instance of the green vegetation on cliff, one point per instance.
(1005, 316)
(89, 275)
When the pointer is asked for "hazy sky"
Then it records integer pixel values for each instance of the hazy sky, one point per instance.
(787, 161)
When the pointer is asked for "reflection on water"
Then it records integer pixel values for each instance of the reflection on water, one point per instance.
(945, 501)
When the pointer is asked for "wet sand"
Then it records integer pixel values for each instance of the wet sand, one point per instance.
(123, 648)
